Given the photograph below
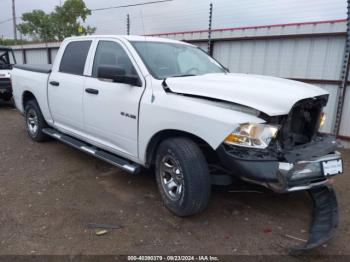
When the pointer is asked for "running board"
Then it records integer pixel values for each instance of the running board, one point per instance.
(117, 161)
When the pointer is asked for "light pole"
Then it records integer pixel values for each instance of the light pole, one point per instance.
(14, 20)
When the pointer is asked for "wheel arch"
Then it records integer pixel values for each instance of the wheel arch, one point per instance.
(27, 96)
(162, 135)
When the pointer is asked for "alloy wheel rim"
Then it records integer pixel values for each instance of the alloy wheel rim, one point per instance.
(172, 177)
(32, 122)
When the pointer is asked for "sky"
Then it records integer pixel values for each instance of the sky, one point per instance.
(182, 15)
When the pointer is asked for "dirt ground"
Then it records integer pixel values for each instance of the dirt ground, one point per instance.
(51, 192)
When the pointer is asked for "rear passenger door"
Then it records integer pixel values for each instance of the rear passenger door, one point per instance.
(111, 111)
(66, 87)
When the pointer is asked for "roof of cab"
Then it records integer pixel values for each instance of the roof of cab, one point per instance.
(129, 38)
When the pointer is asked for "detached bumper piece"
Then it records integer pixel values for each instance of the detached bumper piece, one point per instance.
(324, 218)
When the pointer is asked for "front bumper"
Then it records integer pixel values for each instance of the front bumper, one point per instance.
(301, 168)
(302, 175)
(292, 170)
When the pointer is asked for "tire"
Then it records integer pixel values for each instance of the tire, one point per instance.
(35, 121)
(182, 176)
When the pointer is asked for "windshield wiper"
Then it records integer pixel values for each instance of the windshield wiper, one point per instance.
(184, 75)
(165, 85)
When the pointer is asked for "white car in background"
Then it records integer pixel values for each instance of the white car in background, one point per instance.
(7, 60)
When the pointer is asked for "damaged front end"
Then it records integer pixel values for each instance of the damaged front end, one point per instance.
(298, 158)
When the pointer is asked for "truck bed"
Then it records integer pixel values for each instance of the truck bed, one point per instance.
(31, 79)
(36, 68)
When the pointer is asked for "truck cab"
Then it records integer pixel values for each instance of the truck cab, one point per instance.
(7, 60)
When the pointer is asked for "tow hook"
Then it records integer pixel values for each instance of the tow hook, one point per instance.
(324, 218)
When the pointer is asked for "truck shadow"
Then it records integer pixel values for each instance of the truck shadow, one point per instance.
(5, 105)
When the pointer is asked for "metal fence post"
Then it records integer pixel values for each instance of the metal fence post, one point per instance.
(210, 49)
(49, 57)
(128, 24)
(344, 76)
(24, 56)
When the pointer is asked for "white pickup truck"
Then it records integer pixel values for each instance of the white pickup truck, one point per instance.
(148, 102)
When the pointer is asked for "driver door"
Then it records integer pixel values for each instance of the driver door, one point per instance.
(110, 108)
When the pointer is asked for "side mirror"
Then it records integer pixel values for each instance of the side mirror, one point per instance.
(118, 75)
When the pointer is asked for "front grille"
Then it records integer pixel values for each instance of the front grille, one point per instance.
(303, 121)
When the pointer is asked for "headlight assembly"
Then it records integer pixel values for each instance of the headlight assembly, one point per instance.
(252, 135)
(323, 119)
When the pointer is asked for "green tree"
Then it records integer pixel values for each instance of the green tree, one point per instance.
(66, 20)
(38, 25)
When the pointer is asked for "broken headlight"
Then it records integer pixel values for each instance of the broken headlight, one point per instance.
(323, 119)
(252, 135)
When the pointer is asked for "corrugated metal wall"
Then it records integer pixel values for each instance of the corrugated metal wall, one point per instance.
(309, 52)
(345, 123)
(36, 57)
(36, 53)
(19, 56)
(54, 53)
(307, 58)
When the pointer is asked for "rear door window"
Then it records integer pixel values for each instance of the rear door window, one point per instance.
(74, 57)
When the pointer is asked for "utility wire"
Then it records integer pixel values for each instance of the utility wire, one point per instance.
(5, 21)
(131, 5)
(8, 20)
(108, 8)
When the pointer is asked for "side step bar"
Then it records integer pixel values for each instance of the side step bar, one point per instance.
(117, 161)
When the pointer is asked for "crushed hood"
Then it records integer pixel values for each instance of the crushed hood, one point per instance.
(270, 95)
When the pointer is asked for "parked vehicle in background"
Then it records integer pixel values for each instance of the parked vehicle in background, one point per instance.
(7, 60)
(149, 102)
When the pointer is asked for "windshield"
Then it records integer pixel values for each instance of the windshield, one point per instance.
(165, 60)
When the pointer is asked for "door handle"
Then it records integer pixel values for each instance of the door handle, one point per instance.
(54, 83)
(91, 91)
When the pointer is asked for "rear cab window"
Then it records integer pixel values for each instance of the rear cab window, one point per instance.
(74, 57)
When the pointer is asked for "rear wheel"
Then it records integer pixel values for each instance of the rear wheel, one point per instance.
(182, 176)
(35, 121)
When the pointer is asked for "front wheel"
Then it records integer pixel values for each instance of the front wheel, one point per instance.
(182, 176)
